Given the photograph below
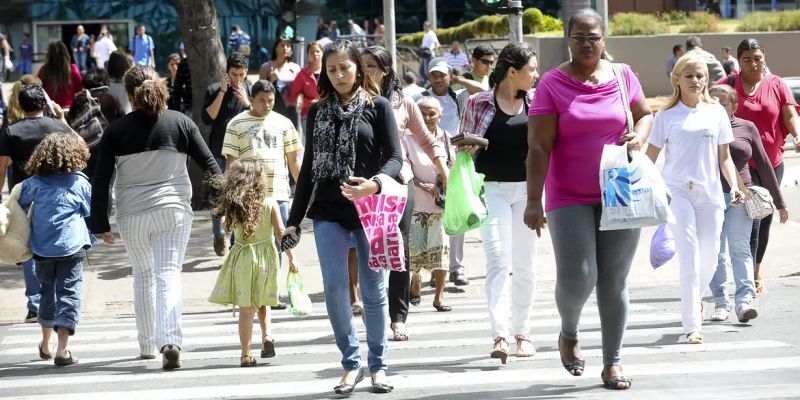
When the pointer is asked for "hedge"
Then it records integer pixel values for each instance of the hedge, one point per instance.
(533, 20)
(633, 24)
(770, 21)
(701, 22)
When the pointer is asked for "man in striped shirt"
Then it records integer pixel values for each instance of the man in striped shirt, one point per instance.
(456, 59)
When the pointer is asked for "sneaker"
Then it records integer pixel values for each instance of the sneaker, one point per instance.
(720, 314)
(171, 357)
(746, 312)
(221, 246)
(31, 317)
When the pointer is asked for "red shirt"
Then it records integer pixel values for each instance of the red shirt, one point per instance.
(306, 84)
(65, 96)
(764, 108)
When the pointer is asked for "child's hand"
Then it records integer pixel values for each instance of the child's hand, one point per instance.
(108, 237)
(293, 267)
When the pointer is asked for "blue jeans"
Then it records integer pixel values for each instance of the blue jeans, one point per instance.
(332, 247)
(33, 288)
(25, 67)
(216, 223)
(80, 60)
(62, 283)
(736, 232)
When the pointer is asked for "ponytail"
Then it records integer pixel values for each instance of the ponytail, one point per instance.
(513, 55)
(149, 93)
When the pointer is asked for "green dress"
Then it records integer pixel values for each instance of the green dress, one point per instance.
(249, 275)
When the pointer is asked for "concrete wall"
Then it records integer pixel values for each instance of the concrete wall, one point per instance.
(648, 55)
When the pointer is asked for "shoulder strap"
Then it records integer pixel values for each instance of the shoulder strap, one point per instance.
(623, 89)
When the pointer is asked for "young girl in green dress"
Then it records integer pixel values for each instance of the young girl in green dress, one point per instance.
(249, 275)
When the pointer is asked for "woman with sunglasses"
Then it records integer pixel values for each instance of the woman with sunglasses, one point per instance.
(578, 109)
(766, 101)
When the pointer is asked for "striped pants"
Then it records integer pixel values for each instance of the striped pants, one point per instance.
(156, 244)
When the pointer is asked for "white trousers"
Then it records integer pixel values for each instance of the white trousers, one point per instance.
(697, 234)
(510, 247)
(156, 244)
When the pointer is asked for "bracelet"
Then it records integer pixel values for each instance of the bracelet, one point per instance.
(377, 182)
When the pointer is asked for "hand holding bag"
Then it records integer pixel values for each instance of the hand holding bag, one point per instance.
(465, 208)
(299, 302)
(760, 204)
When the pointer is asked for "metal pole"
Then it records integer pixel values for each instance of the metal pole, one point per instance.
(515, 21)
(602, 9)
(431, 6)
(390, 35)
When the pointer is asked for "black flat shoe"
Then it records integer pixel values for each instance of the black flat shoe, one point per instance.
(43, 355)
(378, 387)
(268, 348)
(65, 361)
(345, 388)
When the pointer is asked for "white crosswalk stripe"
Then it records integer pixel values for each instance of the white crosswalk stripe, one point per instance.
(445, 350)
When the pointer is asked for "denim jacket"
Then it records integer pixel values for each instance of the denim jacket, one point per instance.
(60, 204)
(480, 111)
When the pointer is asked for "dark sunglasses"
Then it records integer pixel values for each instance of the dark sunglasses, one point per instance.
(486, 62)
(593, 40)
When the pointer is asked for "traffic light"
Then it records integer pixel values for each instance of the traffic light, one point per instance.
(287, 25)
(495, 3)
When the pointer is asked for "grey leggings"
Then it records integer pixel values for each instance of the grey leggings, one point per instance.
(587, 257)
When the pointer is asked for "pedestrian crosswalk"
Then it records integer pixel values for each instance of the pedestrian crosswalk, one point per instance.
(447, 357)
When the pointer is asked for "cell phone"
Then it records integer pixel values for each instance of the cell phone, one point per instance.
(289, 241)
(350, 182)
(50, 107)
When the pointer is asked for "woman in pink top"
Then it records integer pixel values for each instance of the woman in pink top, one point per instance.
(305, 84)
(766, 101)
(60, 78)
(576, 111)
(378, 64)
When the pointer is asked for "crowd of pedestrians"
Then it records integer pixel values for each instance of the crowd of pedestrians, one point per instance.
(347, 126)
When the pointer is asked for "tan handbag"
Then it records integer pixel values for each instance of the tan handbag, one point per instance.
(15, 230)
(760, 204)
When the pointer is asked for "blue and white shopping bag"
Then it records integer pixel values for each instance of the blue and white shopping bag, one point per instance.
(633, 192)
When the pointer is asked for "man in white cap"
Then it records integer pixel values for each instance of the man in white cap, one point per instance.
(452, 109)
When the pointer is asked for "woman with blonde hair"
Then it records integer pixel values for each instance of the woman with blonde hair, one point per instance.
(15, 112)
(696, 132)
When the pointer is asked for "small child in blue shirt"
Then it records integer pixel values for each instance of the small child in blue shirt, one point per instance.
(60, 196)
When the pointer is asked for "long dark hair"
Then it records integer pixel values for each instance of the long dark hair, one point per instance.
(278, 41)
(56, 68)
(515, 55)
(325, 87)
(391, 88)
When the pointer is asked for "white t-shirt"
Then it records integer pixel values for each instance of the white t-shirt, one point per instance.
(691, 138)
(102, 51)
(430, 40)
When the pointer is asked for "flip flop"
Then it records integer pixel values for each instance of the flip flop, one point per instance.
(415, 300)
(400, 334)
(442, 307)
(613, 382)
(357, 308)
(65, 361)
(43, 355)
(247, 361)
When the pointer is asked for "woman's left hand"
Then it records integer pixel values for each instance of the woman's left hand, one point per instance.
(633, 141)
(358, 187)
(293, 267)
(784, 213)
(737, 197)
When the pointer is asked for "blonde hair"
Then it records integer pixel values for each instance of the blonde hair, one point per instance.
(241, 200)
(15, 112)
(683, 62)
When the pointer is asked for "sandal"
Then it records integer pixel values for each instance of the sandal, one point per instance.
(613, 382)
(247, 361)
(500, 349)
(42, 354)
(576, 366)
(65, 361)
(694, 338)
(415, 300)
(442, 307)
(759, 285)
(521, 339)
(357, 308)
(400, 334)
(268, 349)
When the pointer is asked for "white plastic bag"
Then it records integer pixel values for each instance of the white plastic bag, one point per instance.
(633, 192)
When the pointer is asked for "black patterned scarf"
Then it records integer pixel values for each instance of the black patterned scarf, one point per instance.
(335, 152)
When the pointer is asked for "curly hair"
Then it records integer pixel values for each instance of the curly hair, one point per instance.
(241, 200)
(58, 153)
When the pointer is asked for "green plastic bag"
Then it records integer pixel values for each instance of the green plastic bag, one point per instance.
(299, 302)
(465, 207)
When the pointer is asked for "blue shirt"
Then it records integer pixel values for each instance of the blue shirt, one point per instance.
(60, 204)
(141, 47)
(79, 42)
